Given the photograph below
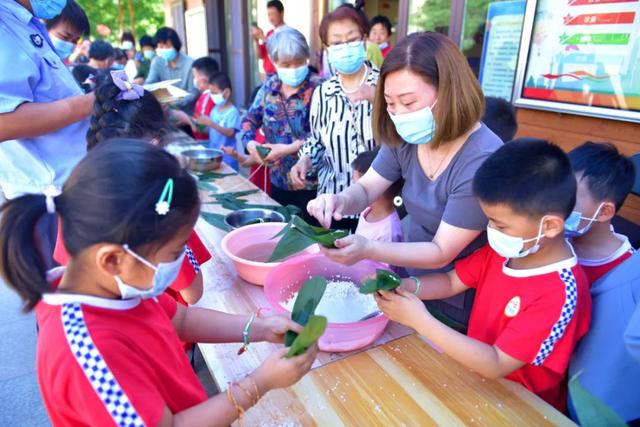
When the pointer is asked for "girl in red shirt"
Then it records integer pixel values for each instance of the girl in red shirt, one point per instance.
(109, 345)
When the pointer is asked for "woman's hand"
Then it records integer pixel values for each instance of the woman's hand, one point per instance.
(402, 307)
(350, 249)
(273, 328)
(299, 172)
(278, 151)
(279, 371)
(253, 153)
(326, 207)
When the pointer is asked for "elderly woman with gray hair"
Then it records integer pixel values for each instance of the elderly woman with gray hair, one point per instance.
(281, 109)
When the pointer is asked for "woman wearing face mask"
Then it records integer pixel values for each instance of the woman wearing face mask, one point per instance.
(341, 108)
(170, 64)
(427, 115)
(281, 110)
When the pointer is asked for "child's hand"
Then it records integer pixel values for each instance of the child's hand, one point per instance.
(278, 371)
(230, 151)
(203, 120)
(273, 328)
(402, 307)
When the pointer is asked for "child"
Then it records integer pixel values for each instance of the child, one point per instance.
(380, 33)
(203, 69)
(108, 350)
(224, 120)
(500, 117)
(605, 178)
(139, 116)
(532, 300)
(380, 221)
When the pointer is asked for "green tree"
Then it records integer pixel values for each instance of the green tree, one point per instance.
(430, 15)
(148, 14)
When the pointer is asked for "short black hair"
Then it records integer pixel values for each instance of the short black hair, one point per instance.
(166, 34)
(221, 80)
(207, 66)
(500, 117)
(118, 54)
(277, 4)
(128, 36)
(362, 164)
(381, 19)
(101, 50)
(531, 176)
(609, 174)
(147, 41)
(74, 16)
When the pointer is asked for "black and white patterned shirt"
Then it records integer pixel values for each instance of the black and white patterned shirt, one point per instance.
(340, 131)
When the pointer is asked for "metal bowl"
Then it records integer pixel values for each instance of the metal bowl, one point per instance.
(243, 217)
(203, 159)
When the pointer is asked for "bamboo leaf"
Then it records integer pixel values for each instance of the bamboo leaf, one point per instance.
(207, 186)
(297, 233)
(385, 280)
(591, 411)
(311, 333)
(210, 176)
(217, 220)
(291, 243)
(305, 305)
(263, 151)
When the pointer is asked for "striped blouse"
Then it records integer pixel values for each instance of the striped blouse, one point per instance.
(340, 131)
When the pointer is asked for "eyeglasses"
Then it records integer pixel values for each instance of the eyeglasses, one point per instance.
(349, 43)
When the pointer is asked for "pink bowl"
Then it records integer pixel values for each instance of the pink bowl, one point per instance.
(288, 277)
(241, 239)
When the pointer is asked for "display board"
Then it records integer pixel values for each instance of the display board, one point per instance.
(581, 56)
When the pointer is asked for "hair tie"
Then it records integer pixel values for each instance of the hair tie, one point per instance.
(163, 206)
(128, 91)
(50, 193)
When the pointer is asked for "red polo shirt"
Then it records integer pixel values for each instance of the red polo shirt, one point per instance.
(536, 316)
(596, 268)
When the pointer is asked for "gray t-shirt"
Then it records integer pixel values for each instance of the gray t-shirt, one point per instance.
(448, 198)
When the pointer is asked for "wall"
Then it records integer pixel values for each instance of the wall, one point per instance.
(569, 131)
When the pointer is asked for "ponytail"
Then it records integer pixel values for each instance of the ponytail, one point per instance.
(21, 265)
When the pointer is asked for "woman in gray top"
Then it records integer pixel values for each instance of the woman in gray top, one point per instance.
(427, 114)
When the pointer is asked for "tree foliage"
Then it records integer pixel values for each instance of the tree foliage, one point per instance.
(149, 16)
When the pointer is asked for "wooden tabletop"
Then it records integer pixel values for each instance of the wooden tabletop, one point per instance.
(399, 380)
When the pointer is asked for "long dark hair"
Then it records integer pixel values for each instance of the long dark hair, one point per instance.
(109, 198)
(140, 118)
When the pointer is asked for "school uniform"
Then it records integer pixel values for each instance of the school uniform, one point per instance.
(536, 316)
(596, 268)
(204, 105)
(107, 362)
(32, 71)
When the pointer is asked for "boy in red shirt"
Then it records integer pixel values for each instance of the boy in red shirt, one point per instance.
(605, 178)
(203, 69)
(532, 300)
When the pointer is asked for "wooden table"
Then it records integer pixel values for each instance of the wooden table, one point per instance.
(399, 380)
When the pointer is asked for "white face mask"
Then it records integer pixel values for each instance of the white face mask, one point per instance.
(165, 274)
(217, 98)
(511, 246)
(572, 223)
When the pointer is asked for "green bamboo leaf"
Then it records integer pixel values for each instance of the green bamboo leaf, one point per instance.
(311, 333)
(591, 411)
(210, 176)
(385, 280)
(217, 220)
(263, 151)
(207, 186)
(291, 243)
(305, 305)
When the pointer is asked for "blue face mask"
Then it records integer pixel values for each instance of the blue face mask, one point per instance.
(47, 9)
(293, 76)
(64, 48)
(417, 127)
(167, 54)
(149, 54)
(347, 58)
(117, 67)
(572, 224)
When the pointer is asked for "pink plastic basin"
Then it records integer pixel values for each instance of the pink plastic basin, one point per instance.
(288, 277)
(240, 239)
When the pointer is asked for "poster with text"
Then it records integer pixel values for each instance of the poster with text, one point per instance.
(585, 52)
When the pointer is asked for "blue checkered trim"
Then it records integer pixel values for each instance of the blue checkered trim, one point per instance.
(192, 259)
(568, 309)
(95, 368)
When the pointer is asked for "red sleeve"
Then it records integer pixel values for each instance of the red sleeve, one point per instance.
(188, 270)
(524, 335)
(263, 51)
(199, 249)
(168, 304)
(469, 269)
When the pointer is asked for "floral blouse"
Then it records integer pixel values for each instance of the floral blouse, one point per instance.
(283, 121)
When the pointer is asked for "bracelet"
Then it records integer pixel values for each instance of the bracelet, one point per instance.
(233, 401)
(252, 399)
(245, 331)
(418, 286)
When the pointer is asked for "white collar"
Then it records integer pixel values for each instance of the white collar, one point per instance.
(545, 269)
(59, 298)
(624, 248)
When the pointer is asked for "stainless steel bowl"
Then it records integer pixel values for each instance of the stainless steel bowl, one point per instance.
(203, 159)
(244, 217)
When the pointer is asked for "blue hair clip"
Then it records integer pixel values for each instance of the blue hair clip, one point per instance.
(163, 206)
